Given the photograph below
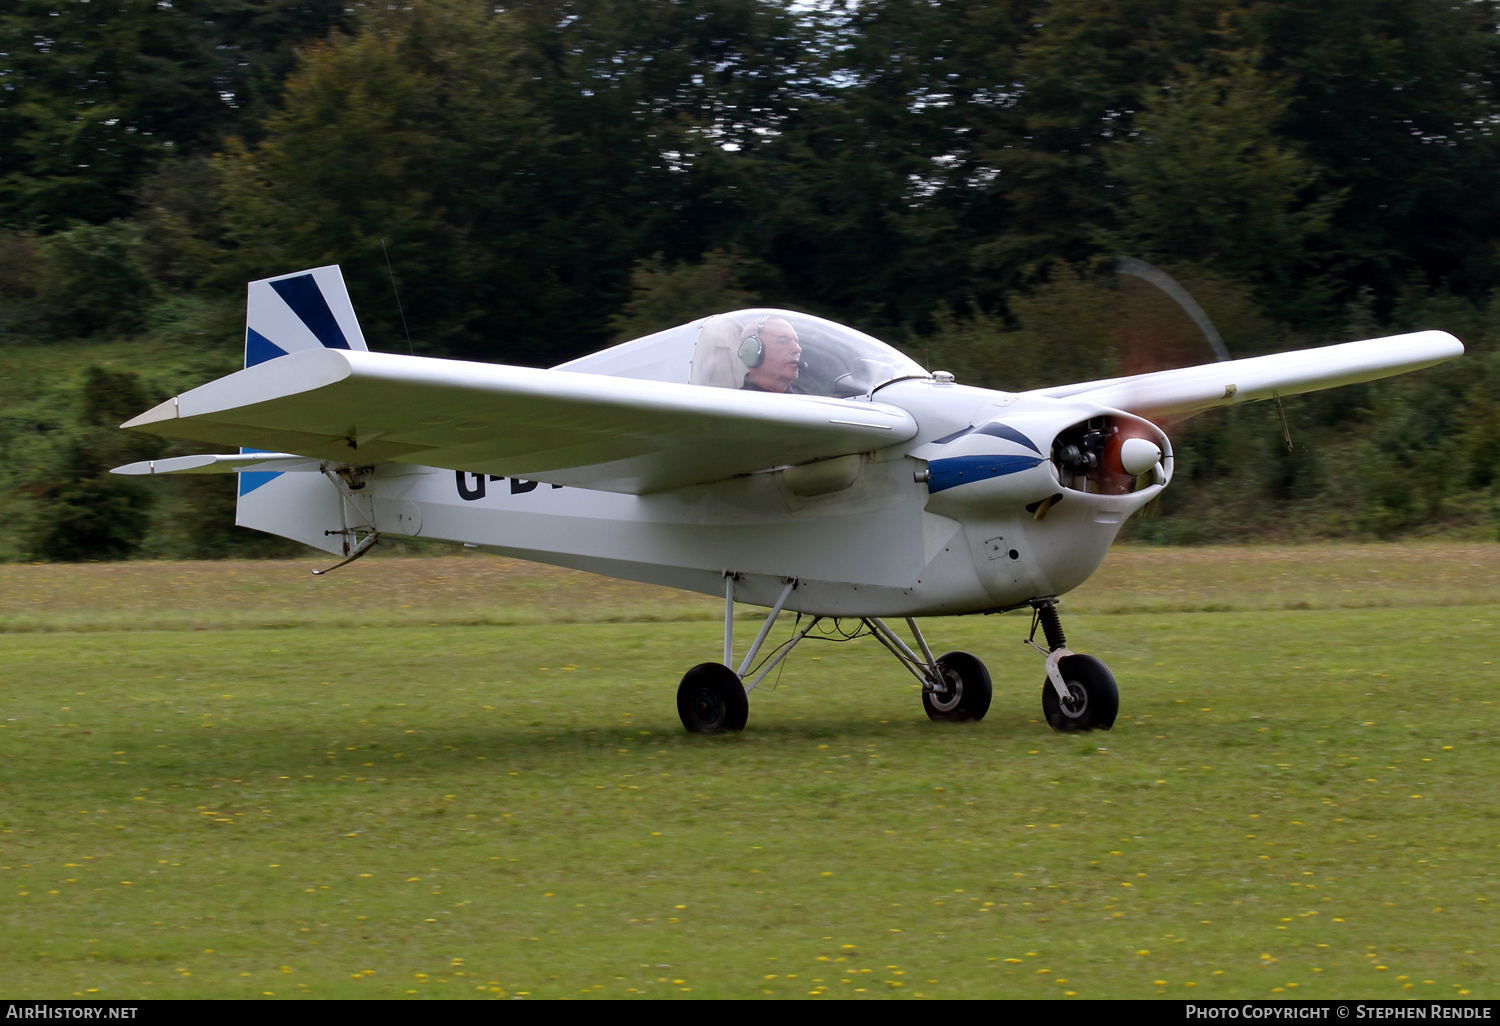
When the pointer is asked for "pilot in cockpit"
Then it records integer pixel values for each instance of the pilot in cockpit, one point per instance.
(772, 355)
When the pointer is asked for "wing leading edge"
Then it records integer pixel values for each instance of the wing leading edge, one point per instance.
(563, 427)
(1175, 395)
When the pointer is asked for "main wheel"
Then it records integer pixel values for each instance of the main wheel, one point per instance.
(711, 699)
(969, 690)
(1095, 700)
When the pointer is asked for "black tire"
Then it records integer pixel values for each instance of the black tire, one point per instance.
(970, 698)
(1093, 687)
(711, 700)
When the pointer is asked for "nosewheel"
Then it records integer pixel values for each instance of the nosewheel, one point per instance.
(711, 700)
(1093, 699)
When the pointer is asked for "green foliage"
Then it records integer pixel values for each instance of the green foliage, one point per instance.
(495, 152)
(1407, 456)
(954, 177)
(354, 159)
(87, 513)
(1079, 326)
(60, 407)
(663, 296)
(89, 516)
(1394, 101)
(21, 315)
(1085, 67)
(181, 225)
(1063, 330)
(97, 94)
(73, 283)
(884, 158)
(1207, 181)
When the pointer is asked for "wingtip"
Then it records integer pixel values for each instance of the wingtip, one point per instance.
(155, 415)
(1454, 344)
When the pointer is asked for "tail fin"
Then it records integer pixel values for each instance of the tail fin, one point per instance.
(302, 310)
(287, 314)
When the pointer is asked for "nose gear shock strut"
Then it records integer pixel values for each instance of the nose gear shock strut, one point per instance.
(1044, 614)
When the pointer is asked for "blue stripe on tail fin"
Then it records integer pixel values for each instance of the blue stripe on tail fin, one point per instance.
(259, 349)
(302, 295)
(251, 480)
(302, 310)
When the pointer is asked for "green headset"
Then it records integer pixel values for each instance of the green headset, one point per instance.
(752, 349)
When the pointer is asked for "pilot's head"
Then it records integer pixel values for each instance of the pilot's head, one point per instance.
(771, 353)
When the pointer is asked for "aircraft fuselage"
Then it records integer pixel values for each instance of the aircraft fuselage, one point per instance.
(944, 523)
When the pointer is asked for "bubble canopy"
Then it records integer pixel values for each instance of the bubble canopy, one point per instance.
(759, 350)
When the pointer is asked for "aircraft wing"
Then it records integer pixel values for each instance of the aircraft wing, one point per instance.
(225, 463)
(1175, 395)
(563, 427)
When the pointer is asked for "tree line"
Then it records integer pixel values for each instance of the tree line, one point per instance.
(955, 176)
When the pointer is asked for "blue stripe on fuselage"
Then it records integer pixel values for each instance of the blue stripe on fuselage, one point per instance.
(960, 470)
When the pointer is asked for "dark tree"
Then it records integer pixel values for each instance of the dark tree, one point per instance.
(96, 94)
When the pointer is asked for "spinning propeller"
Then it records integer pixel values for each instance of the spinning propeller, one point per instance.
(1154, 275)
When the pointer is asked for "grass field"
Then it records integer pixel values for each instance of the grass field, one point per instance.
(464, 777)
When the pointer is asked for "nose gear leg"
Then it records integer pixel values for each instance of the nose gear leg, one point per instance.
(1045, 615)
(1079, 693)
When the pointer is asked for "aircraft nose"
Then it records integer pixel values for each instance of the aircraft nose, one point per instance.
(1138, 455)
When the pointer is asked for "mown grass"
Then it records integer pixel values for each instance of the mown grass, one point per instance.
(477, 590)
(487, 793)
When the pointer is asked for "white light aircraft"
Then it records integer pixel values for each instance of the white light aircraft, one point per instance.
(775, 458)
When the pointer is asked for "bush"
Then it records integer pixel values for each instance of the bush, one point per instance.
(73, 284)
(86, 512)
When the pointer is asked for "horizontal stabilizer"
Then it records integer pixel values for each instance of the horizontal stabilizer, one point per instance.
(562, 427)
(1175, 395)
(225, 463)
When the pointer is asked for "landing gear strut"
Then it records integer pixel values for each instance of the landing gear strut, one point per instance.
(711, 698)
(955, 687)
(1079, 692)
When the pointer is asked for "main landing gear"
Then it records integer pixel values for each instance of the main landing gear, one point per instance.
(1079, 692)
(711, 698)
